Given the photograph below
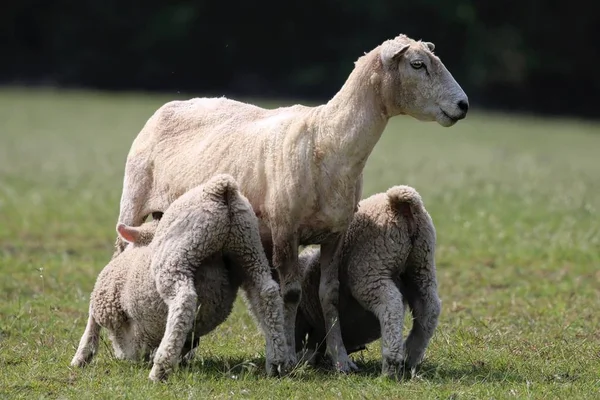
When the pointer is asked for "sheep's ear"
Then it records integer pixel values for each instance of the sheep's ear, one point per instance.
(128, 233)
(392, 53)
(429, 45)
(399, 53)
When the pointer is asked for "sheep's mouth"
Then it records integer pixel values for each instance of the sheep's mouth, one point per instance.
(451, 118)
(446, 120)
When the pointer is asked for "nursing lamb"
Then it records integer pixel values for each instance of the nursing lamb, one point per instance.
(387, 261)
(170, 287)
(300, 167)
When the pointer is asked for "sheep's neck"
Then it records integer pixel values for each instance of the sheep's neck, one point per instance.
(352, 122)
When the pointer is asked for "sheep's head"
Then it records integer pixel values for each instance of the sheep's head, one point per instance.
(415, 82)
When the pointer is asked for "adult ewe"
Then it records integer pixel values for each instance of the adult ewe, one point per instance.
(205, 247)
(300, 167)
(387, 260)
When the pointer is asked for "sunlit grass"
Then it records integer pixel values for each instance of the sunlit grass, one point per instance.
(515, 201)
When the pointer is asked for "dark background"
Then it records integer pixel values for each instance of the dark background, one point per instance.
(527, 55)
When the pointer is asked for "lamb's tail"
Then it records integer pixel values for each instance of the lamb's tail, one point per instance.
(406, 202)
(221, 185)
(403, 196)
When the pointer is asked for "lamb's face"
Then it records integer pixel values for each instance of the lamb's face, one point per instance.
(416, 83)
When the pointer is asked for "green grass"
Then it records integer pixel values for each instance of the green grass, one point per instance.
(515, 201)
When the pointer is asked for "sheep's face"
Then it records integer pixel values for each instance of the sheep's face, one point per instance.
(416, 82)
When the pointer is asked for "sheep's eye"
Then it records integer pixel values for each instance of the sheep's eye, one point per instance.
(416, 64)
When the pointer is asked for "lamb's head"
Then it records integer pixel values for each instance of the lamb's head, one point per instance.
(414, 81)
(138, 236)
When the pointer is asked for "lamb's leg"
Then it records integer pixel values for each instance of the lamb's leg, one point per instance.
(383, 298)
(88, 345)
(179, 294)
(422, 298)
(264, 298)
(329, 288)
(285, 260)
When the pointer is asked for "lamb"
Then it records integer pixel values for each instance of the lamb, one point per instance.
(387, 261)
(205, 246)
(300, 167)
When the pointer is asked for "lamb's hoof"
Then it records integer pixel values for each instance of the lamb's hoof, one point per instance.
(276, 369)
(409, 370)
(78, 362)
(280, 368)
(308, 356)
(345, 366)
(159, 373)
(187, 359)
(393, 369)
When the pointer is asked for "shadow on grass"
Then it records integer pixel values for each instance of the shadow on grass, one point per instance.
(439, 373)
(238, 368)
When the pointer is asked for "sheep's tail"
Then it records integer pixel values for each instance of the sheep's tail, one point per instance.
(222, 186)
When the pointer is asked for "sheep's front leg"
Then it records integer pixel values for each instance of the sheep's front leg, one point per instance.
(285, 260)
(179, 294)
(422, 298)
(383, 298)
(329, 289)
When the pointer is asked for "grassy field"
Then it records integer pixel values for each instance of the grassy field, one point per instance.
(515, 201)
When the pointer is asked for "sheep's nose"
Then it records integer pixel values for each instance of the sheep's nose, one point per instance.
(463, 105)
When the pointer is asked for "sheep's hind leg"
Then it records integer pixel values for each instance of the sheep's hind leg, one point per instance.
(180, 295)
(329, 287)
(285, 260)
(88, 345)
(383, 298)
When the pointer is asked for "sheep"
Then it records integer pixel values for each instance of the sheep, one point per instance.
(300, 167)
(205, 246)
(387, 260)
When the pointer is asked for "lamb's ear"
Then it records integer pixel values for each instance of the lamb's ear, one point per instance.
(128, 233)
(429, 45)
(390, 53)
